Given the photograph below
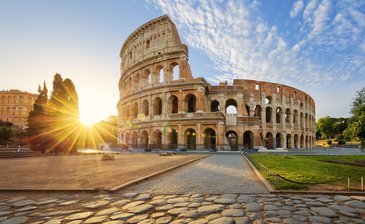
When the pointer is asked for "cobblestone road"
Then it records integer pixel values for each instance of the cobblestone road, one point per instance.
(217, 174)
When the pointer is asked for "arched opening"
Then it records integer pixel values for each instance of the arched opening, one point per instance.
(146, 78)
(247, 110)
(127, 139)
(296, 141)
(231, 106)
(287, 115)
(269, 140)
(157, 139)
(136, 82)
(288, 142)
(172, 137)
(214, 107)
(134, 140)
(144, 139)
(278, 140)
(268, 100)
(248, 140)
(268, 114)
(301, 141)
(191, 103)
(175, 68)
(157, 106)
(173, 104)
(190, 138)
(278, 115)
(257, 111)
(209, 138)
(145, 108)
(135, 110)
(306, 141)
(232, 140)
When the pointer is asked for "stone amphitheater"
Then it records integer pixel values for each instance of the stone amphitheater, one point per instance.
(162, 106)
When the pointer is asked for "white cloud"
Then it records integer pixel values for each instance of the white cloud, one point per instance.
(242, 45)
(297, 7)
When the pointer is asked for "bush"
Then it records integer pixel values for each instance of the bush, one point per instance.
(341, 141)
(329, 142)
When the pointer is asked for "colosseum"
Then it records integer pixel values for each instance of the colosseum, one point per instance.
(162, 106)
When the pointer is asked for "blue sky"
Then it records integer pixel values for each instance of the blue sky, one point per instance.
(317, 46)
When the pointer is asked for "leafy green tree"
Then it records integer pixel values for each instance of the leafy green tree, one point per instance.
(356, 127)
(325, 126)
(37, 122)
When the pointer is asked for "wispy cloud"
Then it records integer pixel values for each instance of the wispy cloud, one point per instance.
(242, 44)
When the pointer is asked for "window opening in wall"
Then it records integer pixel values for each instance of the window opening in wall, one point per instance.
(268, 100)
(257, 87)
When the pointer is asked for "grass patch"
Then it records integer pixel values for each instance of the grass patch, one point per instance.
(308, 169)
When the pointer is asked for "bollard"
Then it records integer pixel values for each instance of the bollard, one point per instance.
(348, 183)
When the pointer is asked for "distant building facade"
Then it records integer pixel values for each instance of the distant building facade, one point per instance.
(15, 106)
(163, 106)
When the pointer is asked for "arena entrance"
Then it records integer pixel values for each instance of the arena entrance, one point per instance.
(232, 140)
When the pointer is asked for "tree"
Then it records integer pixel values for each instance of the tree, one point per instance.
(325, 126)
(356, 126)
(37, 121)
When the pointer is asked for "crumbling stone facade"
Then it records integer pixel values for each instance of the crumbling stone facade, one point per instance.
(162, 106)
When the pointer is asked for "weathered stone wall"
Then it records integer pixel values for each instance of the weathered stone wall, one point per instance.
(161, 107)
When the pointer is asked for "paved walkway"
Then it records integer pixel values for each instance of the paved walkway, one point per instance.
(189, 208)
(217, 174)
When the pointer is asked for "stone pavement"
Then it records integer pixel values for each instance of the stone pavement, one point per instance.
(217, 174)
(189, 208)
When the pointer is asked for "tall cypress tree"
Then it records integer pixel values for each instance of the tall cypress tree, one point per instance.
(37, 121)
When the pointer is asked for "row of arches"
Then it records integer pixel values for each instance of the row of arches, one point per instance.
(132, 111)
(147, 77)
(209, 139)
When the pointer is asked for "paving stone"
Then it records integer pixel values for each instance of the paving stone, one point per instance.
(107, 211)
(342, 198)
(164, 208)
(140, 208)
(176, 211)
(242, 220)
(97, 219)
(164, 220)
(253, 207)
(189, 214)
(16, 220)
(121, 202)
(133, 204)
(137, 218)
(23, 203)
(81, 215)
(157, 215)
(70, 202)
(233, 212)
(199, 221)
(96, 204)
(355, 204)
(130, 195)
(225, 200)
(323, 211)
(143, 197)
(272, 220)
(222, 220)
(178, 200)
(209, 209)
(158, 202)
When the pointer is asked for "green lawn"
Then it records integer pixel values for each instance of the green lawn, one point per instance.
(308, 169)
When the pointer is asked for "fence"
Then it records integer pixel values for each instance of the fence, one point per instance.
(279, 182)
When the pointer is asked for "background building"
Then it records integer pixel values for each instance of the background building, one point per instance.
(15, 106)
(163, 106)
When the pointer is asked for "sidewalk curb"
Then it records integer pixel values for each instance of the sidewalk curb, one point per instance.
(120, 187)
(258, 174)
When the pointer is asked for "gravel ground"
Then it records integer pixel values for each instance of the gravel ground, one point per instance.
(216, 174)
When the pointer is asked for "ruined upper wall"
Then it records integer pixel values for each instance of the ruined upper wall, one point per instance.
(154, 38)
